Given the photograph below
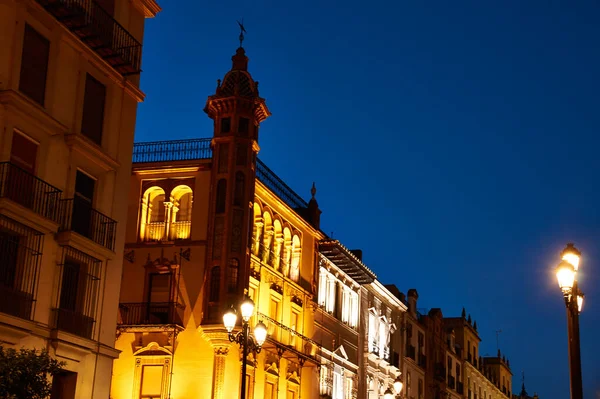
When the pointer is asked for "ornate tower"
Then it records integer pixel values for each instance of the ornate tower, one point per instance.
(237, 111)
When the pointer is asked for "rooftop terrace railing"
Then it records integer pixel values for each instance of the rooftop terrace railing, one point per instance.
(196, 149)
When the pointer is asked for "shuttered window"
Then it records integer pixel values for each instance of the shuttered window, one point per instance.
(92, 122)
(34, 65)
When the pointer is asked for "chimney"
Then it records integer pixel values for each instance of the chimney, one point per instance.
(357, 253)
(412, 301)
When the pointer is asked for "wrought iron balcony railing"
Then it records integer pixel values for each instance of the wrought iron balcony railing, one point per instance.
(196, 149)
(151, 313)
(422, 360)
(100, 31)
(78, 215)
(287, 338)
(74, 322)
(29, 191)
(411, 352)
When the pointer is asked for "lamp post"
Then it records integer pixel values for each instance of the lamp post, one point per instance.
(397, 384)
(566, 274)
(243, 338)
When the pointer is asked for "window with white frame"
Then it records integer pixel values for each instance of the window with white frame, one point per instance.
(350, 307)
(325, 380)
(338, 383)
(373, 345)
(327, 290)
(383, 337)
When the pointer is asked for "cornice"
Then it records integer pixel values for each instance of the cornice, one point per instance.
(26, 109)
(149, 8)
(82, 145)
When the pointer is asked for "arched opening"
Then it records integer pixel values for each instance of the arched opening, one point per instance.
(238, 197)
(221, 196)
(278, 244)
(215, 283)
(266, 251)
(153, 213)
(181, 217)
(233, 275)
(295, 261)
(287, 251)
(257, 229)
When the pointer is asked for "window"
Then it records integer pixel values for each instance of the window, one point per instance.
(408, 383)
(420, 389)
(238, 197)
(232, 275)
(221, 195)
(349, 307)
(215, 282)
(63, 385)
(225, 125)
(151, 386)
(23, 152)
(34, 65)
(81, 219)
(270, 390)
(92, 122)
(383, 338)
(241, 157)
(243, 125)
(79, 292)
(20, 184)
(21, 248)
(294, 325)
(327, 290)
(324, 380)
(373, 344)
(338, 383)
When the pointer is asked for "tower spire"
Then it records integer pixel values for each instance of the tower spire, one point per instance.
(242, 31)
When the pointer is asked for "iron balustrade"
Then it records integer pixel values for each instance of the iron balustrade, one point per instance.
(21, 248)
(29, 191)
(460, 388)
(197, 149)
(74, 322)
(172, 150)
(100, 31)
(411, 351)
(451, 381)
(77, 215)
(422, 360)
(150, 313)
(278, 186)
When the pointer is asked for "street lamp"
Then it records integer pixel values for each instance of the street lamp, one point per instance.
(566, 274)
(398, 385)
(388, 394)
(243, 338)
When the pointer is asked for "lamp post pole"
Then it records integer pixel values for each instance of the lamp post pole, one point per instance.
(574, 344)
(246, 332)
(243, 338)
(566, 273)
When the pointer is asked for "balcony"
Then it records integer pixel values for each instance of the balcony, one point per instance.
(74, 322)
(411, 352)
(422, 361)
(460, 388)
(29, 191)
(440, 372)
(99, 31)
(78, 215)
(451, 382)
(151, 313)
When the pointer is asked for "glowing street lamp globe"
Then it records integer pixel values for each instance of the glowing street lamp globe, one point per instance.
(565, 274)
(398, 385)
(260, 333)
(388, 394)
(580, 302)
(572, 255)
(229, 319)
(247, 309)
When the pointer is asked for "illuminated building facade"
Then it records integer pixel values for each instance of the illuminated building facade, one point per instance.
(69, 89)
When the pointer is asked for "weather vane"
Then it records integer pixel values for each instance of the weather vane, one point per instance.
(242, 31)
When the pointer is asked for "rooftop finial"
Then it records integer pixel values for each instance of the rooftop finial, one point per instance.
(242, 31)
(313, 190)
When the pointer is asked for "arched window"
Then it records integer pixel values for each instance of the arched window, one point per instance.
(215, 282)
(238, 195)
(295, 261)
(233, 275)
(221, 195)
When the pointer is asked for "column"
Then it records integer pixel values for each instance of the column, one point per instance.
(219, 372)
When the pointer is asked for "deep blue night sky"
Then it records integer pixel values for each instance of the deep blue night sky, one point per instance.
(456, 143)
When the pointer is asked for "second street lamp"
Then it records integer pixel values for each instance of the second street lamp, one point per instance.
(247, 342)
(566, 274)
